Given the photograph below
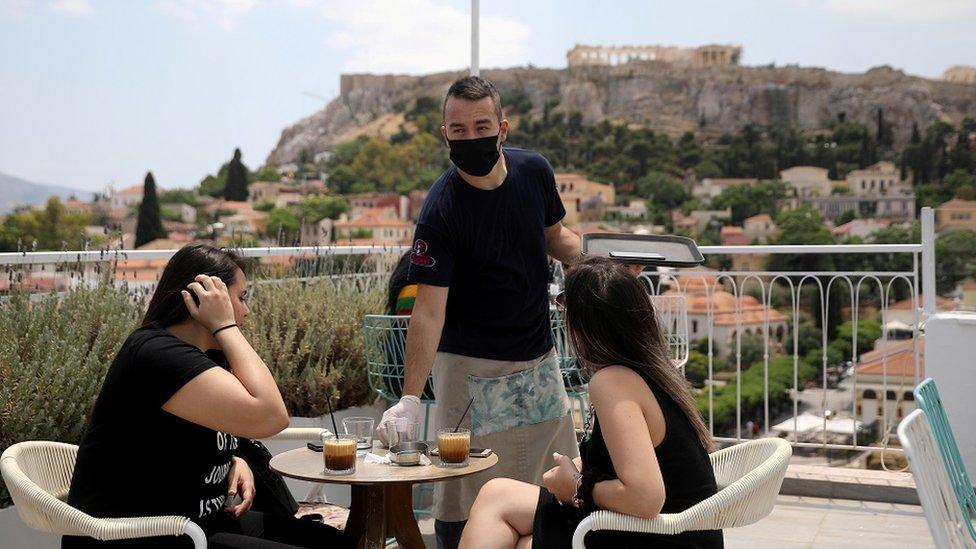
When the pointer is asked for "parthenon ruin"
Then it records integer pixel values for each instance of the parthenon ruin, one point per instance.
(960, 74)
(703, 56)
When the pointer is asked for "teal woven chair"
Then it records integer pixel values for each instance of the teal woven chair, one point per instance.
(927, 396)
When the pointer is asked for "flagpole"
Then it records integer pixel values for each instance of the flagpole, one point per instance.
(475, 69)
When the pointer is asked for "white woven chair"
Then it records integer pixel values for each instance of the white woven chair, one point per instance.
(748, 475)
(949, 524)
(38, 475)
(299, 434)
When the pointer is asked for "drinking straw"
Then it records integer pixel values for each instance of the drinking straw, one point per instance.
(328, 401)
(470, 402)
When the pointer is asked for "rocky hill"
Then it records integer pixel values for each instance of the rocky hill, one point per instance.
(670, 97)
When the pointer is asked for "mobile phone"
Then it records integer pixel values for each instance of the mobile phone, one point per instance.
(473, 452)
(233, 501)
(314, 447)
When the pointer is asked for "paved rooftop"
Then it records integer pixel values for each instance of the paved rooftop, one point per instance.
(804, 522)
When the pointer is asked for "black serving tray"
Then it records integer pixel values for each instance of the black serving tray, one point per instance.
(644, 249)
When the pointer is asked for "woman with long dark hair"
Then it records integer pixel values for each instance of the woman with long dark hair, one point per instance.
(164, 429)
(647, 451)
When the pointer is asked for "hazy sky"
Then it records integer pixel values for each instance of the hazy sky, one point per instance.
(94, 92)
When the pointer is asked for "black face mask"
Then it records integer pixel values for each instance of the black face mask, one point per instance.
(475, 156)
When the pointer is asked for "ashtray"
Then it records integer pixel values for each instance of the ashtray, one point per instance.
(407, 453)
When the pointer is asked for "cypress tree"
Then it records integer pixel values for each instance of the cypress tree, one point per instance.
(885, 137)
(149, 224)
(236, 188)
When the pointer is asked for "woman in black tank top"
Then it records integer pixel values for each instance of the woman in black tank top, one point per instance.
(647, 451)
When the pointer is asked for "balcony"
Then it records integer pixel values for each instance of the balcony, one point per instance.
(824, 358)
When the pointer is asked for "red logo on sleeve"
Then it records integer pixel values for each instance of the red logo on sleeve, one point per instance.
(419, 255)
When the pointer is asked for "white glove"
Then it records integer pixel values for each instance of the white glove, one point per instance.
(409, 408)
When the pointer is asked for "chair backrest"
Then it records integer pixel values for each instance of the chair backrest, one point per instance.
(573, 379)
(385, 341)
(928, 399)
(38, 476)
(671, 311)
(948, 521)
(749, 476)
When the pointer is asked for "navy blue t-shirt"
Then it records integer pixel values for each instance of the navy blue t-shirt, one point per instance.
(489, 247)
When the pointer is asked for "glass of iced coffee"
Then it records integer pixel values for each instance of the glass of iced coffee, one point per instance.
(339, 453)
(453, 447)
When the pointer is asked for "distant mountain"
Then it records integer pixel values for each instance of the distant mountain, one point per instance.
(15, 191)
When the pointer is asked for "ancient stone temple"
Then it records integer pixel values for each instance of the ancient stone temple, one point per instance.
(703, 56)
(961, 74)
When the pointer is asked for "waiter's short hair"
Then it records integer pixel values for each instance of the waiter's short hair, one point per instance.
(474, 88)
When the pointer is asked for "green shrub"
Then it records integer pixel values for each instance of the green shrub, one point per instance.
(54, 356)
(310, 335)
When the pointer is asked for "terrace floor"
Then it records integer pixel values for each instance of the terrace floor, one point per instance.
(799, 522)
(796, 522)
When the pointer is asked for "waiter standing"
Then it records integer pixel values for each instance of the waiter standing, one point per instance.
(481, 315)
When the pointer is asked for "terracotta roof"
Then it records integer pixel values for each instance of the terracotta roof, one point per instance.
(367, 242)
(884, 166)
(367, 221)
(233, 205)
(727, 310)
(730, 181)
(160, 244)
(135, 189)
(758, 218)
(958, 204)
(900, 361)
(841, 230)
(32, 283)
(941, 303)
(734, 236)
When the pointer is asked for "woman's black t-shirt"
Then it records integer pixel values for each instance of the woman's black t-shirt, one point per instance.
(137, 459)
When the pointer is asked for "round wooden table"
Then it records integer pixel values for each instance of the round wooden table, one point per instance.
(382, 497)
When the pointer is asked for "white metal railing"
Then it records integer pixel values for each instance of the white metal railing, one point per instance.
(790, 290)
(109, 255)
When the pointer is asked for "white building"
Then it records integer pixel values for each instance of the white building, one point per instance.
(126, 197)
(887, 396)
(188, 214)
(860, 228)
(876, 191)
(807, 180)
(707, 302)
(760, 228)
(317, 234)
(707, 189)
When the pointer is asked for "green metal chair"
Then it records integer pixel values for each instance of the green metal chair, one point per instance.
(385, 340)
(573, 380)
(928, 399)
